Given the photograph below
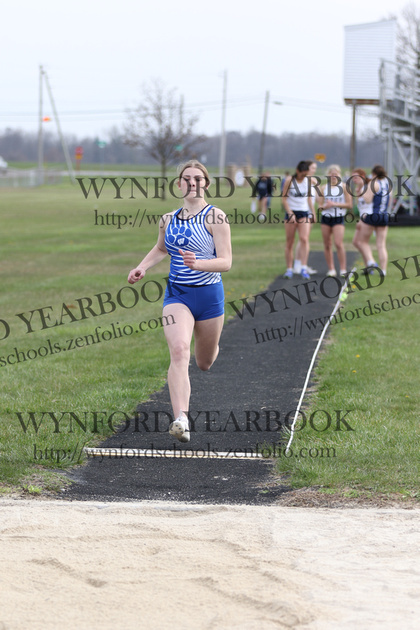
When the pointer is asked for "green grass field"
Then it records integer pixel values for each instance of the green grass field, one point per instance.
(59, 274)
(370, 367)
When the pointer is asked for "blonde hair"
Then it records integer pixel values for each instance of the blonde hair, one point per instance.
(194, 164)
(333, 167)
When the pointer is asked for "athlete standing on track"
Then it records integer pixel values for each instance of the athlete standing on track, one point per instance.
(197, 238)
(373, 201)
(297, 264)
(298, 205)
(334, 202)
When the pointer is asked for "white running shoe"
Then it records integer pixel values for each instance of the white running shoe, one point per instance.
(180, 429)
(311, 271)
(331, 273)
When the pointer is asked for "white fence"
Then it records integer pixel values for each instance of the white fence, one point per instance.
(28, 178)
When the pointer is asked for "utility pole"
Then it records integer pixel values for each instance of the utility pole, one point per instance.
(222, 156)
(181, 109)
(261, 161)
(40, 130)
(70, 169)
(353, 140)
(63, 142)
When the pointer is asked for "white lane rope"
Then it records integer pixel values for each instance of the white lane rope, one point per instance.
(335, 309)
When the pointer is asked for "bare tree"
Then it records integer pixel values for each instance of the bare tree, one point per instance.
(408, 38)
(160, 126)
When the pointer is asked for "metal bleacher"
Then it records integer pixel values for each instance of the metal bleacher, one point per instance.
(399, 110)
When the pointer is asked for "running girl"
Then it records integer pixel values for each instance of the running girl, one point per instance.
(334, 202)
(197, 238)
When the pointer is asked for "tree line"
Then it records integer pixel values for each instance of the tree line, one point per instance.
(280, 151)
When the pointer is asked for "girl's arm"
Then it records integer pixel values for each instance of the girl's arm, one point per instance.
(320, 199)
(155, 256)
(313, 183)
(348, 204)
(311, 203)
(285, 195)
(372, 188)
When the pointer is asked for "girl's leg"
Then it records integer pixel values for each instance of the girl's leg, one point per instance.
(338, 232)
(328, 251)
(263, 209)
(297, 264)
(206, 341)
(381, 234)
(304, 229)
(361, 241)
(290, 237)
(178, 337)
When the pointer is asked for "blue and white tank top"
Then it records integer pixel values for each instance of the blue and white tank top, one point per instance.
(297, 195)
(190, 235)
(332, 193)
(381, 198)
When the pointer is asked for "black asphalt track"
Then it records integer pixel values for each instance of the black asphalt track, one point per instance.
(241, 403)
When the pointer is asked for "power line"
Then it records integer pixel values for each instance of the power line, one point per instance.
(73, 115)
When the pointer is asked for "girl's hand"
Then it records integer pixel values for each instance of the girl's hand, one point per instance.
(189, 259)
(328, 204)
(136, 274)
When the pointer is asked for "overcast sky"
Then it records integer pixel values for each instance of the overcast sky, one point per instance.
(97, 56)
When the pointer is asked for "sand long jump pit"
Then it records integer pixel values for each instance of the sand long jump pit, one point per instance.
(176, 565)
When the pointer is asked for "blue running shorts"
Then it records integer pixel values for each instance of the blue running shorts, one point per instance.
(204, 301)
(377, 220)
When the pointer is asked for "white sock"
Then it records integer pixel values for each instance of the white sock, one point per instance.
(370, 263)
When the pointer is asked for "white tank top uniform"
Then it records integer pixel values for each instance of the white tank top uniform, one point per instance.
(298, 194)
(332, 193)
